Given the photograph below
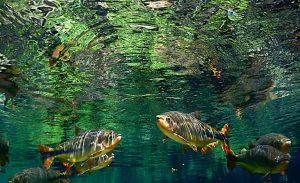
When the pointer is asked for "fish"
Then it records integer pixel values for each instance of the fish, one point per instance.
(86, 145)
(189, 130)
(94, 164)
(276, 140)
(4, 146)
(38, 175)
(263, 159)
(4, 149)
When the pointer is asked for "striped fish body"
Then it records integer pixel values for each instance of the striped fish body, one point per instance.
(89, 144)
(38, 175)
(94, 163)
(276, 140)
(263, 159)
(186, 129)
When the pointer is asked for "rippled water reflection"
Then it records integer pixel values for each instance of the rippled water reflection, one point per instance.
(123, 63)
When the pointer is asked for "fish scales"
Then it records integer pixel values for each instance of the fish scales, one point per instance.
(85, 143)
(260, 159)
(263, 153)
(192, 129)
(189, 130)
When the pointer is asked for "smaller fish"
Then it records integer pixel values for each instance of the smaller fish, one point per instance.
(263, 159)
(94, 164)
(38, 175)
(279, 141)
(4, 148)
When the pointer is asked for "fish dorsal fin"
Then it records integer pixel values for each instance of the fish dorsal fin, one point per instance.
(196, 114)
(78, 130)
(243, 151)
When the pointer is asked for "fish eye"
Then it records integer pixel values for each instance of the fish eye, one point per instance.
(168, 119)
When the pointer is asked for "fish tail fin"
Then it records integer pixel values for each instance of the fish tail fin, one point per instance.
(48, 155)
(225, 143)
(225, 129)
(231, 159)
(231, 164)
(225, 147)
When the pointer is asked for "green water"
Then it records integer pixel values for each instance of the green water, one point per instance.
(242, 70)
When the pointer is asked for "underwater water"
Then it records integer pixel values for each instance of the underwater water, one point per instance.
(118, 64)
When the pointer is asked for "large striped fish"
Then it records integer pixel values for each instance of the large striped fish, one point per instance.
(86, 145)
(187, 129)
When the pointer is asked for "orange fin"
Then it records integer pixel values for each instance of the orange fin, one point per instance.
(194, 147)
(68, 168)
(226, 149)
(225, 129)
(208, 147)
(48, 162)
(44, 149)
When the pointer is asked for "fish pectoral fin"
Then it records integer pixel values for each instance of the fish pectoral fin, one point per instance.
(194, 147)
(48, 162)
(208, 147)
(68, 168)
(181, 138)
(164, 139)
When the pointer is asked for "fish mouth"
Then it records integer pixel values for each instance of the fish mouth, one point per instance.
(288, 143)
(161, 123)
(286, 146)
(116, 142)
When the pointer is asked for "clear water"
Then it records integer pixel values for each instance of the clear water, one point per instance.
(242, 70)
